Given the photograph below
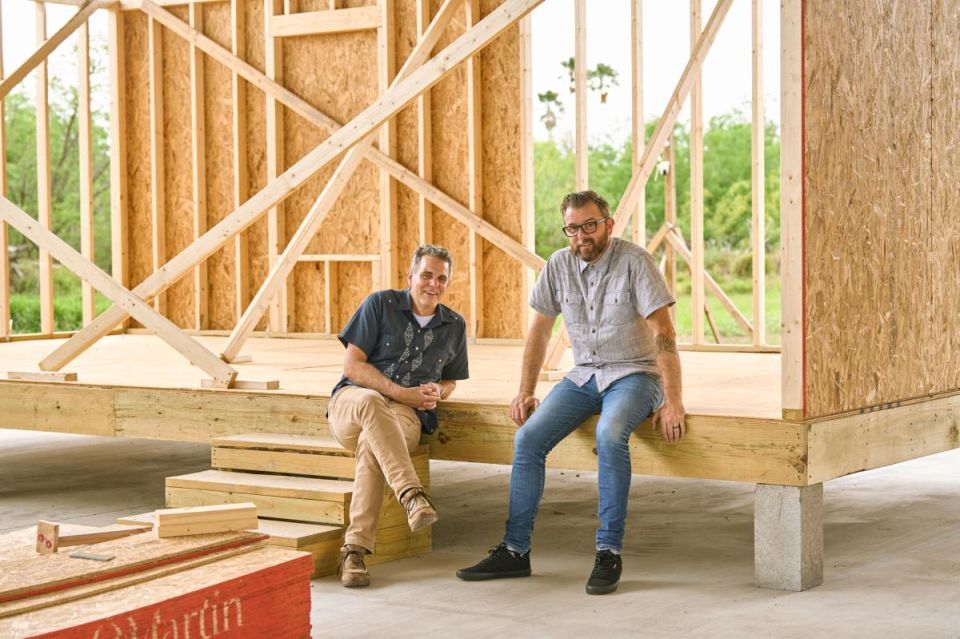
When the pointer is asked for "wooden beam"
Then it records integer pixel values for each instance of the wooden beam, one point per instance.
(241, 257)
(341, 257)
(386, 71)
(88, 298)
(319, 22)
(40, 376)
(200, 520)
(44, 192)
(342, 139)
(474, 178)
(670, 218)
(527, 188)
(118, 148)
(329, 286)
(158, 214)
(757, 181)
(46, 46)
(580, 93)
(222, 374)
(198, 146)
(318, 212)
(246, 384)
(424, 139)
(5, 328)
(697, 301)
(639, 128)
(276, 227)
(791, 206)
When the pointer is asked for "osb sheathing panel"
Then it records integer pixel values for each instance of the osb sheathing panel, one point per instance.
(407, 147)
(880, 230)
(354, 282)
(177, 162)
(137, 87)
(337, 73)
(500, 104)
(945, 218)
(218, 119)
(256, 138)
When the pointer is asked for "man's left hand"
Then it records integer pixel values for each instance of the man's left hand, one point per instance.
(670, 420)
(436, 393)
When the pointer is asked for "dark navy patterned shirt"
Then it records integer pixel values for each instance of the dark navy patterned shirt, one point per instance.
(395, 344)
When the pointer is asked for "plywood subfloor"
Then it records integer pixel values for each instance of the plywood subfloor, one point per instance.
(717, 384)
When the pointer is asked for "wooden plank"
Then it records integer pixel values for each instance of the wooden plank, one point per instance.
(862, 441)
(757, 181)
(42, 376)
(697, 300)
(670, 218)
(118, 148)
(320, 22)
(294, 463)
(292, 508)
(5, 327)
(44, 193)
(527, 188)
(276, 227)
(639, 125)
(791, 205)
(241, 254)
(100, 535)
(46, 46)
(419, 81)
(166, 330)
(580, 94)
(276, 441)
(58, 408)
(85, 139)
(386, 71)
(303, 488)
(245, 384)
(474, 178)
(158, 217)
(198, 138)
(202, 520)
(424, 139)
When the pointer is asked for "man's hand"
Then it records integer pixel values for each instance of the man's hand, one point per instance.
(435, 391)
(418, 397)
(670, 420)
(522, 406)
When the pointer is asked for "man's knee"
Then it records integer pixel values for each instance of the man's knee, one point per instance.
(613, 432)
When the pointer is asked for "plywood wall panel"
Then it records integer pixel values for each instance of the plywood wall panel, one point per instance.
(945, 210)
(354, 282)
(218, 120)
(867, 205)
(309, 317)
(177, 163)
(500, 103)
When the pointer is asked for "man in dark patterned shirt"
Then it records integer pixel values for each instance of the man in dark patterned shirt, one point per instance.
(405, 351)
(615, 306)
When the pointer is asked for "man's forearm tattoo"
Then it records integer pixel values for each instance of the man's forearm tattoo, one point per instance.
(666, 344)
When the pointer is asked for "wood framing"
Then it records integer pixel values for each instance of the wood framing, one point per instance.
(670, 218)
(330, 21)
(5, 328)
(757, 181)
(198, 167)
(638, 131)
(697, 300)
(386, 71)
(158, 217)
(241, 259)
(44, 192)
(527, 182)
(85, 140)
(474, 177)
(118, 148)
(582, 179)
(276, 227)
(424, 139)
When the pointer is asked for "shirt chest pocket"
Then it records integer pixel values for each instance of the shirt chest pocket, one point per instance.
(572, 307)
(618, 308)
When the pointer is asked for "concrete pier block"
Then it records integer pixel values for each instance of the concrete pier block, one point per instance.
(788, 536)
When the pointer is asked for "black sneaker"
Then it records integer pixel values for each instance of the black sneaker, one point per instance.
(606, 573)
(500, 563)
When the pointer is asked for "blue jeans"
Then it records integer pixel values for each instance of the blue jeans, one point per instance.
(623, 406)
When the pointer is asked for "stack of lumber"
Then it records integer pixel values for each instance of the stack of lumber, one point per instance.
(301, 487)
(225, 585)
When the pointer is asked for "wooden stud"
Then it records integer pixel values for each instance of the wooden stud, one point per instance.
(275, 218)
(580, 93)
(245, 384)
(670, 219)
(44, 193)
(40, 376)
(46, 46)
(342, 139)
(475, 178)
(88, 298)
(758, 182)
(330, 21)
(118, 148)
(697, 301)
(424, 139)
(198, 138)
(158, 217)
(241, 257)
(329, 286)
(120, 296)
(48, 536)
(527, 189)
(791, 205)
(386, 69)
(5, 328)
(639, 128)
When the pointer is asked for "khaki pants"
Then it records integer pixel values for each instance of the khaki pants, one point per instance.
(381, 433)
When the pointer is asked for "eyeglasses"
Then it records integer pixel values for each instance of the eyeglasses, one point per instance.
(588, 227)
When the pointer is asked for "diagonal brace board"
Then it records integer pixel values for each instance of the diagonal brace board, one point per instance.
(655, 147)
(342, 140)
(318, 212)
(222, 374)
(313, 115)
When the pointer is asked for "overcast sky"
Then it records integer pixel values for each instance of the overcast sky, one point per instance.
(666, 50)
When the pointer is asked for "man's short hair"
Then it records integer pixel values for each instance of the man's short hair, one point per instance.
(579, 199)
(433, 251)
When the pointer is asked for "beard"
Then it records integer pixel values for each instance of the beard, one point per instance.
(590, 249)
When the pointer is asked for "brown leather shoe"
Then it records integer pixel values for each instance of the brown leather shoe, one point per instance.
(420, 511)
(353, 572)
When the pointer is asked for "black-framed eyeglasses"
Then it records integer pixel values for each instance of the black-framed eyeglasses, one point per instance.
(588, 227)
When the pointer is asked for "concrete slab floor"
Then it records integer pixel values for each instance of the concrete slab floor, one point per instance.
(892, 547)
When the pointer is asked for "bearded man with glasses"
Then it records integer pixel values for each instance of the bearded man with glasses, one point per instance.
(615, 305)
